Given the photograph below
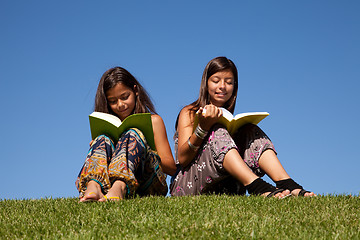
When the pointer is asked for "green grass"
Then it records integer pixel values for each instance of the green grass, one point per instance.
(201, 217)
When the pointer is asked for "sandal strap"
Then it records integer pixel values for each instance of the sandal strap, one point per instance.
(275, 192)
(111, 198)
(259, 186)
(288, 184)
(302, 192)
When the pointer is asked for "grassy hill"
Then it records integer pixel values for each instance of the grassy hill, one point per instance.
(200, 217)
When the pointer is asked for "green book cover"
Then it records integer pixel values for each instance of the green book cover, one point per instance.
(113, 127)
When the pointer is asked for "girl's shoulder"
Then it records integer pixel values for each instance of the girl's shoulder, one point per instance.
(158, 125)
(186, 116)
(187, 111)
(156, 119)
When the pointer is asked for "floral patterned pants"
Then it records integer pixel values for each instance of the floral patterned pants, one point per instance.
(206, 173)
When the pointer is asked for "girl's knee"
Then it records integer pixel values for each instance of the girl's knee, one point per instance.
(133, 132)
(250, 127)
(101, 138)
(133, 135)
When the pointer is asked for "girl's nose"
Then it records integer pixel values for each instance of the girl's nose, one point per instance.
(222, 84)
(120, 103)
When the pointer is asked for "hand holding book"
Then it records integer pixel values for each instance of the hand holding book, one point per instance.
(226, 118)
(208, 116)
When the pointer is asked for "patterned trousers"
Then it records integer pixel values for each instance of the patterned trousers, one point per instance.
(131, 161)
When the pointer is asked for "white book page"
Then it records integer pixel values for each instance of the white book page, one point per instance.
(227, 114)
(107, 117)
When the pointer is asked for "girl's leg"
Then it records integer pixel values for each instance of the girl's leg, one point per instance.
(235, 165)
(218, 159)
(271, 165)
(93, 180)
(206, 173)
(259, 154)
(253, 144)
(127, 157)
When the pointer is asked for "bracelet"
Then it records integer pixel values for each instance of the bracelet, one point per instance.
(192, 146)
(200, 133)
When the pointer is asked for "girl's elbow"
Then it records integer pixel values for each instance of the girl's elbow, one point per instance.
(182, 161)
(172, 171)
(169, 167)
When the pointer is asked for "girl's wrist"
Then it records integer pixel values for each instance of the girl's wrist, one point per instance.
(200, 132)
(192, 146)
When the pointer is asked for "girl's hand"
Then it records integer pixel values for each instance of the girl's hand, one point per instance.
(208, 116)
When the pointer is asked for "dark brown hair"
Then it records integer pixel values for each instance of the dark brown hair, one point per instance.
(215, 65)
(117, 75)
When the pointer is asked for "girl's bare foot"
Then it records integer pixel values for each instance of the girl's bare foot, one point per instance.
(280, 195)
(116, 192)
(260, 187)
(92, 193)
(296, 193)
(295, 189)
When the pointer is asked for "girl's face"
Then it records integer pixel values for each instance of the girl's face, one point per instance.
(121, 100)
(220, 87)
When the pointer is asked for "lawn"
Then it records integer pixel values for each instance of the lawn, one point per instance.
(200, 217)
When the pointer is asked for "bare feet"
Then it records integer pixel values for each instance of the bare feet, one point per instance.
(296, 192)
(92, 193)
(295, 189)
(116, 192)
(279, 195)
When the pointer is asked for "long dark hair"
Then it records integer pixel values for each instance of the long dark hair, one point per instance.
(215, 65)
(117, 75)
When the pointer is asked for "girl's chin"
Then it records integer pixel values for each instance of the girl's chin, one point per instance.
(219, 102)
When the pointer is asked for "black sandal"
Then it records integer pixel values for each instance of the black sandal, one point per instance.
(302, 192)
(291, 185)
(259, 186)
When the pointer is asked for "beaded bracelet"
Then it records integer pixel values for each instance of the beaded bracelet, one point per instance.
(192, 146)
(200, 133)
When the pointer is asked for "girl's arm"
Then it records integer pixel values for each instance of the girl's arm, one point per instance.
(185, 129)
(162, 145)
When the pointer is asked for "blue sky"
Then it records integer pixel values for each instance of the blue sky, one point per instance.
(297, 60)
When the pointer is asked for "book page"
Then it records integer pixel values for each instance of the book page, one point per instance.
(107, 117)
(226, 114)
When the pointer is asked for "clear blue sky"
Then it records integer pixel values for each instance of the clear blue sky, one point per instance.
(297, 60)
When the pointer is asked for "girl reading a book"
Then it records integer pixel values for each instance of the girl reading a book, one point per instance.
(210, 160)
(114, 171)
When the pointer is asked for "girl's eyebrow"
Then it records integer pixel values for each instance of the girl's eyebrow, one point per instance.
(125, 93)
(120, 95)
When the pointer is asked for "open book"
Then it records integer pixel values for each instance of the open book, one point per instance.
(113, 127)
(233, 123)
